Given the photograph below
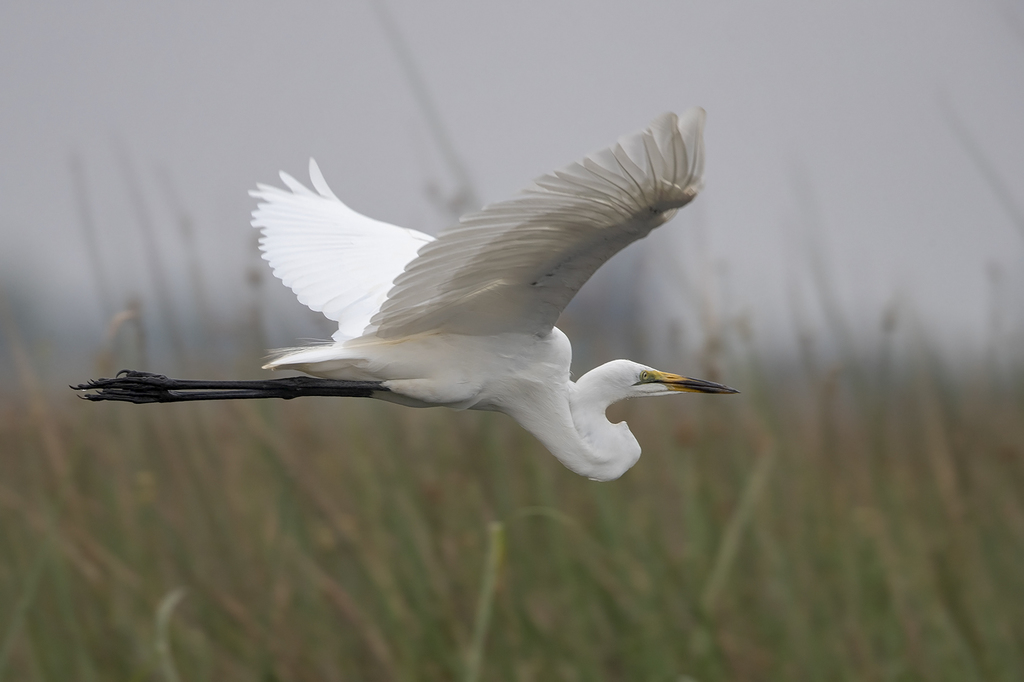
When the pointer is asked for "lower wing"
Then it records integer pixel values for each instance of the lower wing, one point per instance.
(337, 261)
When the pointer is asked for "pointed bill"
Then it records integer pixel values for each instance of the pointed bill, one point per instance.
(674, 382)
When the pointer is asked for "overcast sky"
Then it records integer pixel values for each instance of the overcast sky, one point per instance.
(831, 131)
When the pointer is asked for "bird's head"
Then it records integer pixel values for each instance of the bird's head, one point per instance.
(622, 379)
(649, 381)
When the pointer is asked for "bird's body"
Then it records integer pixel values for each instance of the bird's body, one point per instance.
(532, 386)
(466, 320)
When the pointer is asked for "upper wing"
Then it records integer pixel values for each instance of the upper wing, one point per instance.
(513, 266)
(335, 260)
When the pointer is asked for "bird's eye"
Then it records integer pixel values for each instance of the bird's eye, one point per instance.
(645, 375)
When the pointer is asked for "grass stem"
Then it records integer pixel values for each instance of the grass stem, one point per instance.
(727, 550)
(485, 605)
(165, 659)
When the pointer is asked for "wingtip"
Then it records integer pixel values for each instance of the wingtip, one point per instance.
(692, 118)
(319, 183)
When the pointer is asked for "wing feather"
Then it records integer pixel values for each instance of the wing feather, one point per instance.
(337, 261)
(516, 264)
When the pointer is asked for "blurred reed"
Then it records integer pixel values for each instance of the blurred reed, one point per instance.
(831, 527)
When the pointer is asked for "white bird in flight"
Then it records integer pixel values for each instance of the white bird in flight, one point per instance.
(466, 320)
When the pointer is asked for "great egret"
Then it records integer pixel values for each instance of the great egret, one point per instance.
(466, 320)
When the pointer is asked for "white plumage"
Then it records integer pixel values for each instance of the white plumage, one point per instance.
(467, 320)
(337, 261)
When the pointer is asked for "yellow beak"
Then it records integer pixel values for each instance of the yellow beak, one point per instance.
(674, 382)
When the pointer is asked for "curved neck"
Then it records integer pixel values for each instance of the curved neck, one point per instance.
(570, 421)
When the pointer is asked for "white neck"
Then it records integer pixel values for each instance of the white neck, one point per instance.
(572, 424)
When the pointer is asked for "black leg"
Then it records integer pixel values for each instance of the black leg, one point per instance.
(144, 387)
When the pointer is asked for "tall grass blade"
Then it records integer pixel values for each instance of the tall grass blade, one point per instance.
(726, 555)
(985, 166)
(90, 234)
(164, 657)
(42, 415)
(154, 259)
(464, 198)
(485, 605)
(21, 608)
(186, 231)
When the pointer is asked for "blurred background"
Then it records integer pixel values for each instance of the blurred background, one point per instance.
(855, 266)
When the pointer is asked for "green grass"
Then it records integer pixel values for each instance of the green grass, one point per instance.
(837, 529)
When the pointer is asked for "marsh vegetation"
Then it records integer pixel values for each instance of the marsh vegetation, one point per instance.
(855, 522)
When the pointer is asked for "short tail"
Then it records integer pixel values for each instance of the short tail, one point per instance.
(300, 356)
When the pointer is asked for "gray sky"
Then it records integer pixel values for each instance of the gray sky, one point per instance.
(828, 128)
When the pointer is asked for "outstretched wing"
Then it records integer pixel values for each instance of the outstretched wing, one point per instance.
(337, 261)
(516, 264)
